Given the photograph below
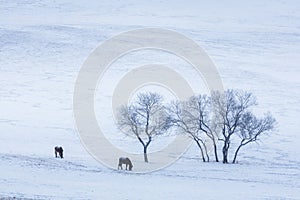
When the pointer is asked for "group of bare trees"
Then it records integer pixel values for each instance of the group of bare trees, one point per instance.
(213, 122)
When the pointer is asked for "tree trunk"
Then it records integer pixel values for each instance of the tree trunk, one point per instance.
(216, 152)
(225, 160)
(225, 151)
(205, 149)
(236, 153)
(145, 147)
(201, 150)
(145, 154)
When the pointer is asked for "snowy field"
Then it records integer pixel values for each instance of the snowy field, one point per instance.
(43, 44)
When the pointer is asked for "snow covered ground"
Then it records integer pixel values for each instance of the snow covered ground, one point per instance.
(254, 44)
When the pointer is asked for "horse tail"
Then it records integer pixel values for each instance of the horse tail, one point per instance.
(120, 163)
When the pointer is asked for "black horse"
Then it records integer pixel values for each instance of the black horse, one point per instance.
(59, 150)
(125, 161)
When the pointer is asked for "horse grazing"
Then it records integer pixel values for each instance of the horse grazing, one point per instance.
(125, 161)
(59, 150)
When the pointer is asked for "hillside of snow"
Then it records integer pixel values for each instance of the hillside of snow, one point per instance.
(43, 44)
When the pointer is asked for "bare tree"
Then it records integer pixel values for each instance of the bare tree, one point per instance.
(145, 119)
(251, 128)
(200, 108)
(193, 118)
(230, 107)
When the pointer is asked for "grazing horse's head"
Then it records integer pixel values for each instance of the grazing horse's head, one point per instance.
(130, 164)
(61, 152)
(130, 167)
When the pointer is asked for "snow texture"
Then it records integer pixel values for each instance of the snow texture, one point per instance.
(254, 44)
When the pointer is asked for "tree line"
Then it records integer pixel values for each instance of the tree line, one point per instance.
(211, 121)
